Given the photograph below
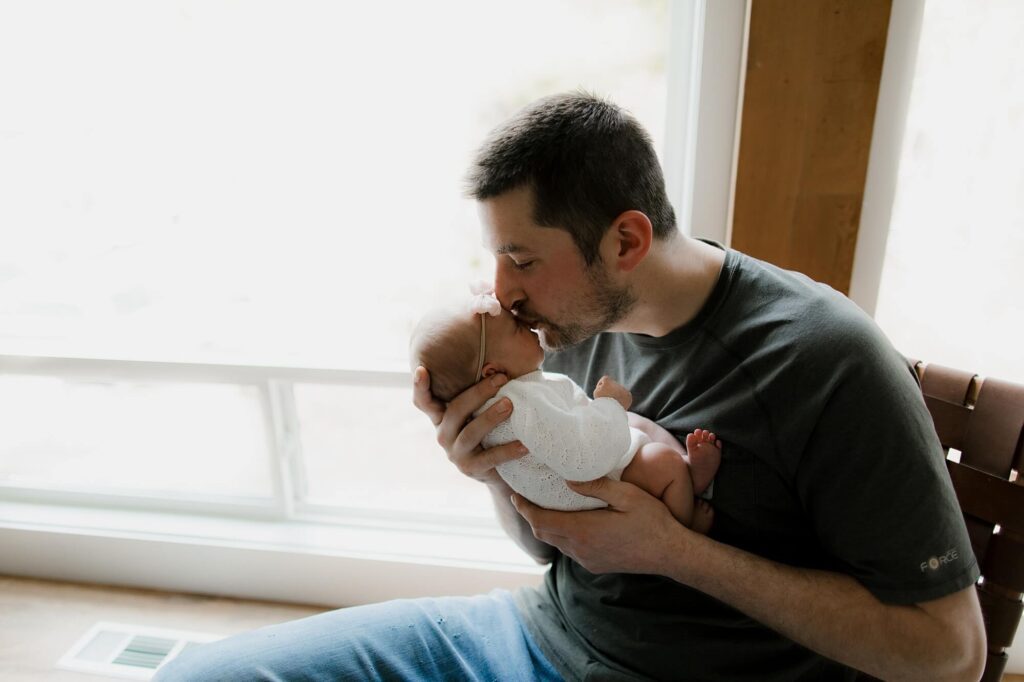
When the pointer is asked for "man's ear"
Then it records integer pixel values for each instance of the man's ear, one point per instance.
(628, 240)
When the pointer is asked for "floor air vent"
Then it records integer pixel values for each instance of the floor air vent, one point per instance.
(129, 651)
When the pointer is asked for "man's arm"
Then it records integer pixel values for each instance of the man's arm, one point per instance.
(839, 618)
(516, 527)
(830, 613)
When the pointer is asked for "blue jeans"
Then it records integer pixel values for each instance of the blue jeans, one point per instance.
(451, 638)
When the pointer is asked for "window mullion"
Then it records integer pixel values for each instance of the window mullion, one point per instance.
(287, 468)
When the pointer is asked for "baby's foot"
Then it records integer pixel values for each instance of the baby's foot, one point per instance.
(703, 515)
(609, 388)
(705, 454)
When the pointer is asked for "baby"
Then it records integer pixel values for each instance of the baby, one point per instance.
(569, 436)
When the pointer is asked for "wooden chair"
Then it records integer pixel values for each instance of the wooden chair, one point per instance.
(984, 420)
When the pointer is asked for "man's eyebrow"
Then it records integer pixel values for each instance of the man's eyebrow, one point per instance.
(510, 248)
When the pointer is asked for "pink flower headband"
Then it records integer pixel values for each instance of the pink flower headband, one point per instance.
(483, 304)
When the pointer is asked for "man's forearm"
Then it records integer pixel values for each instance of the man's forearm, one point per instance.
(516, 526)
(834, 615)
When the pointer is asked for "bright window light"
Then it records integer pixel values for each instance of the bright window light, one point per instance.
(952, 279)
(141, 436)
(266, 183)
(270, 182)
(346, 431)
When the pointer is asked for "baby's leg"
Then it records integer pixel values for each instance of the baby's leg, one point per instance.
(662, 472)
(704, 452)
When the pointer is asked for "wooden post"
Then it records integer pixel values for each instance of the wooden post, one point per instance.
(813, 71)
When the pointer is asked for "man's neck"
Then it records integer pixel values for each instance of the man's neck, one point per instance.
(673, 284)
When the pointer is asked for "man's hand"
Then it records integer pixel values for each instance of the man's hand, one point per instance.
(461, 440)
(836, 616)
(636, 533)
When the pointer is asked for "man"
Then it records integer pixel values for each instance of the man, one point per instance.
(832, 495)
(829, 502)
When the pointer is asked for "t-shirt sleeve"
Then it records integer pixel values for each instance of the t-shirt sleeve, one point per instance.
(580, 442)
(873, 482)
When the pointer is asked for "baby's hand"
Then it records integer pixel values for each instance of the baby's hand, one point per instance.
(609, 388)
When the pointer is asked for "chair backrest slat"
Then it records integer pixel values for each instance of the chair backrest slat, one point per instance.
(980, 533)
(984, 420)
(1003, 563)
(995, 664)
(945, 383)
(992, 442)
(1002, 616)
(987, 497)
(950, 421)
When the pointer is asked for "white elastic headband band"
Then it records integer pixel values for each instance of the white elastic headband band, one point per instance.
(483, 348)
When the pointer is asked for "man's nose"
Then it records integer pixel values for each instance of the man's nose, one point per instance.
(507, 289)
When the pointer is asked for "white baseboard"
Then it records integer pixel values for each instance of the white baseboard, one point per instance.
(315, 564)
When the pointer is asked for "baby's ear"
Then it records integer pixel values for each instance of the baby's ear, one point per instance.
(490, 369)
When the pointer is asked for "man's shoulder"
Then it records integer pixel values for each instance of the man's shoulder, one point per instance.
(795, 311)
(765, 286)
(791, 333)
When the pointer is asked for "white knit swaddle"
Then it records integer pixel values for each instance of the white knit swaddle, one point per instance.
(569, 437)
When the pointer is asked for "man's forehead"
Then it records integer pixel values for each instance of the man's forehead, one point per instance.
(507, 221)
(519, 244)
(531, 241)
(509, 241)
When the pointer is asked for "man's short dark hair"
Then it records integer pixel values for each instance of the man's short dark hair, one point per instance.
(586, 160)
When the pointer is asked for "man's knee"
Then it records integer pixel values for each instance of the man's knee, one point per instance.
(204, 663)
(257, 655)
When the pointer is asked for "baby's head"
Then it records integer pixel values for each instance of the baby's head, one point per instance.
(448, 342)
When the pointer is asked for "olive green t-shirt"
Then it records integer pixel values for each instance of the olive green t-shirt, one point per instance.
(829, 461)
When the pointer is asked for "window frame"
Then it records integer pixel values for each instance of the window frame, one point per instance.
(41, 527)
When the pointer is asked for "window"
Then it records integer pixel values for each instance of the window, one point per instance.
(132, 435)
(271, 185)
(951, 279)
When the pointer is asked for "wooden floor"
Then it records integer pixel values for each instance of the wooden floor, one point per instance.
(40, 621)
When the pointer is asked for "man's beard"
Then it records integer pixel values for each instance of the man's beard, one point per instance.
(602, 306)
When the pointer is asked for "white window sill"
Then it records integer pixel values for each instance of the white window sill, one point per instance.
(331, 564)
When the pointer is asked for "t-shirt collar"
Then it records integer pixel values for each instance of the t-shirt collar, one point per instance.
(684, 332)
